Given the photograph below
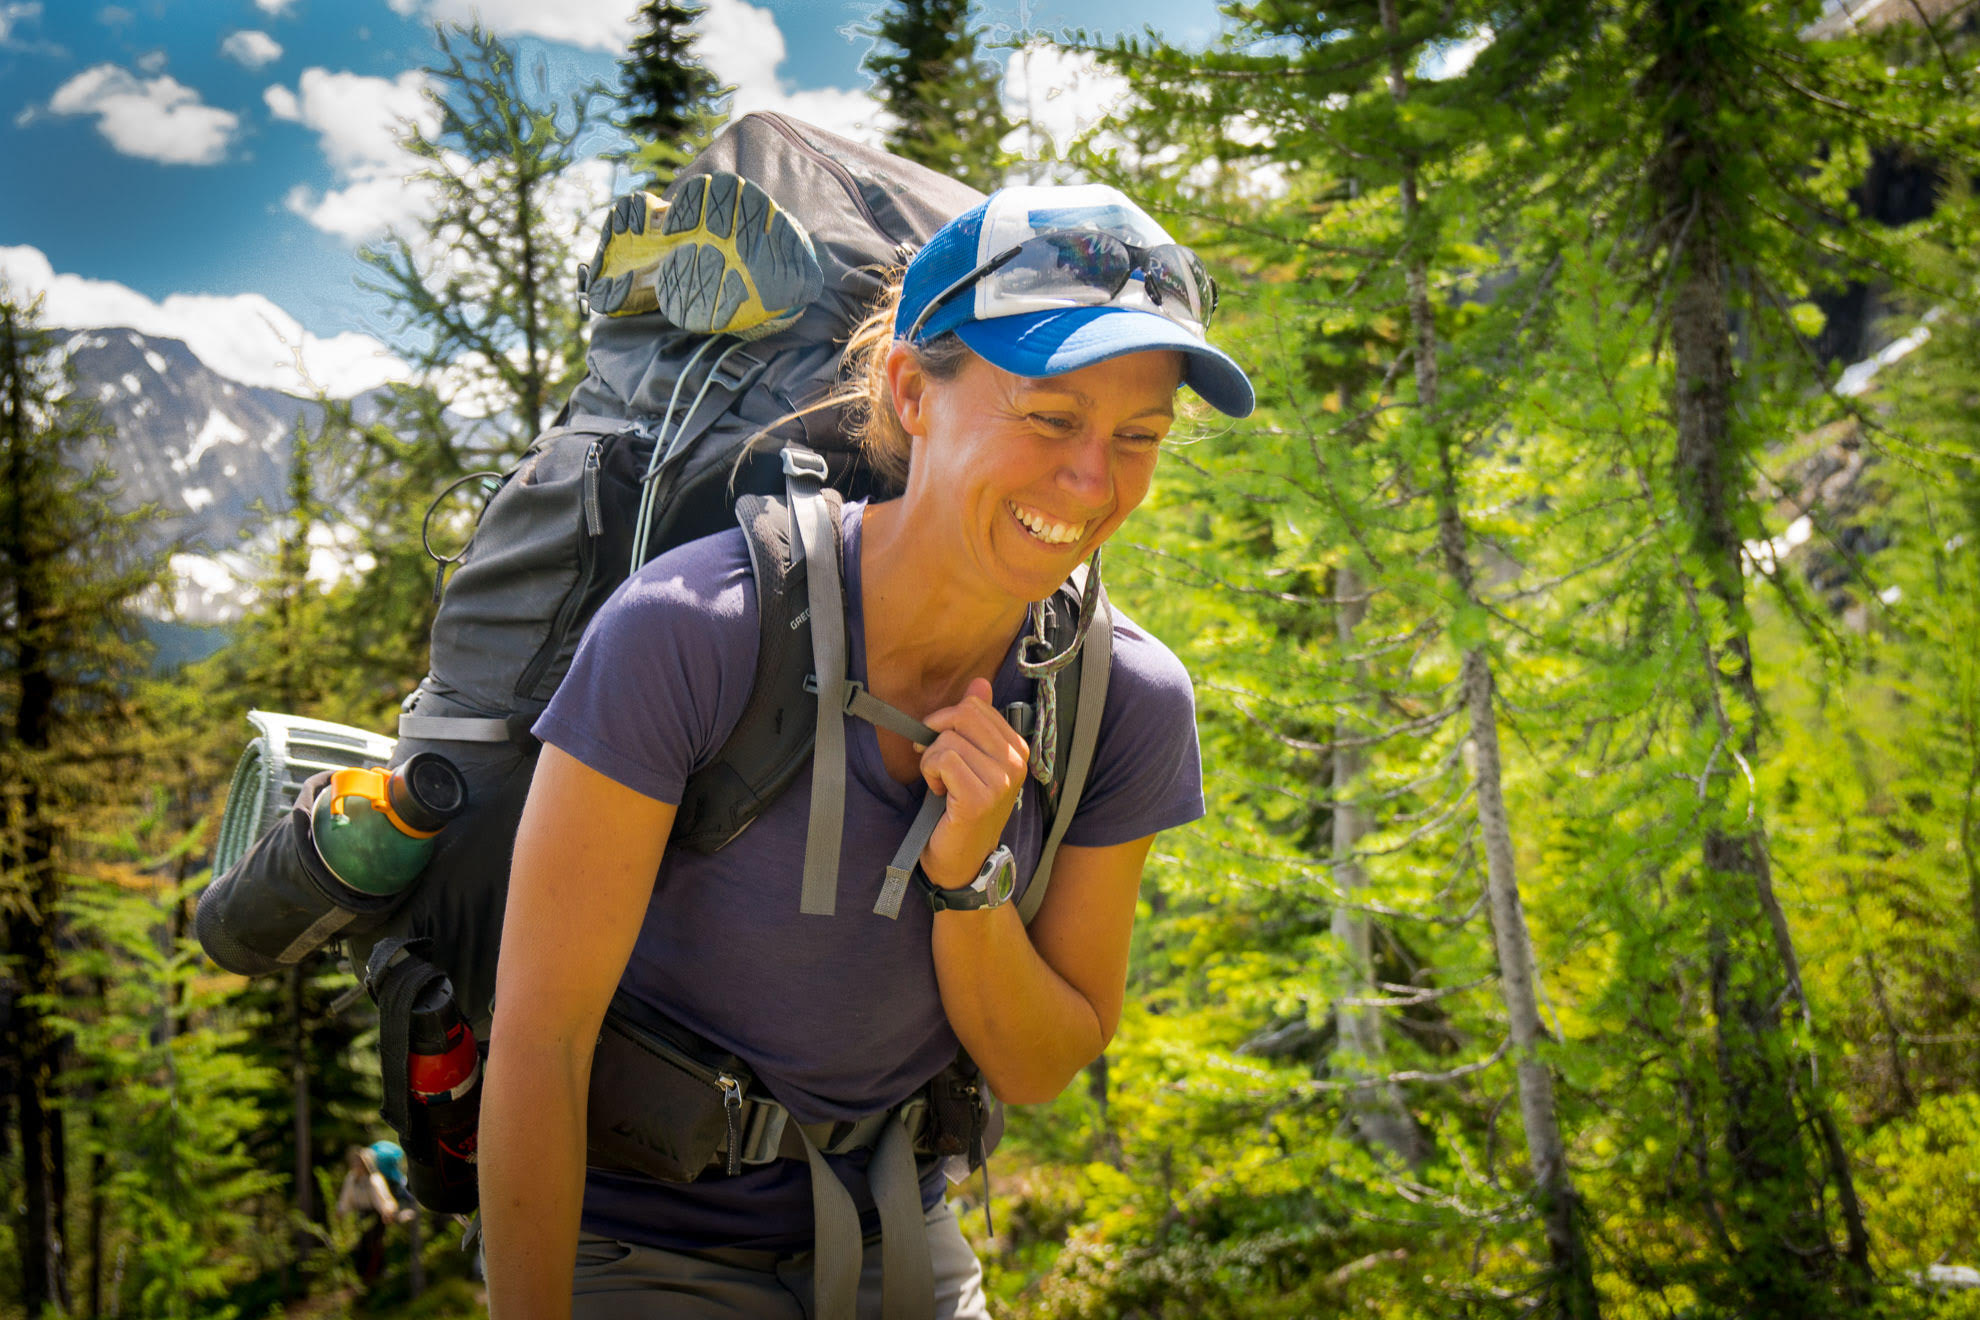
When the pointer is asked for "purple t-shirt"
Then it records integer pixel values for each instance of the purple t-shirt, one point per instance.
(839, 1016)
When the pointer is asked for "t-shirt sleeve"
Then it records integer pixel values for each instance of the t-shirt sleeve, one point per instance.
(1147, 774)
(664, 670)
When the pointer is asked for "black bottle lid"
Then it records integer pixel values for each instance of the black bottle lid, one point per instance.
(427, 791)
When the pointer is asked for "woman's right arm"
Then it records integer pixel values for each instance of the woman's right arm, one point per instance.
(587, 851)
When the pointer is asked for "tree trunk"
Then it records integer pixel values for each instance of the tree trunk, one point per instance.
(95, 1230)
(28, 862)
(1778, 1209)
(1573, 1276)
(36, 1053)
(1376, 1111)
(1098, 1084)
(299, 1080)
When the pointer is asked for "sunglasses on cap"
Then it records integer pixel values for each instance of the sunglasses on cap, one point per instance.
(1086, 267)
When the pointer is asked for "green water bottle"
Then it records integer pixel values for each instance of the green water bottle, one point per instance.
(375, 828)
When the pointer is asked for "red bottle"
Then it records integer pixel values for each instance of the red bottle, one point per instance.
(443, 1072)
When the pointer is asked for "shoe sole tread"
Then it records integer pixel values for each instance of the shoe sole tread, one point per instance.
(726, 259)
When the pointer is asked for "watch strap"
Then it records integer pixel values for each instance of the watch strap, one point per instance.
(975, 895)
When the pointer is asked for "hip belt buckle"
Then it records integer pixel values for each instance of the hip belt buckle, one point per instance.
(763, 1131)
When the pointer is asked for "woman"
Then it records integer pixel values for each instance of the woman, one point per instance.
(1020, 387)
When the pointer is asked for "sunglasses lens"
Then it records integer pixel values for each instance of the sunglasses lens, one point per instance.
(1075, 265)
(1176, 280)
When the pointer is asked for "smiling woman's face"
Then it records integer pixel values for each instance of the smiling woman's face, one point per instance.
(1027, 476)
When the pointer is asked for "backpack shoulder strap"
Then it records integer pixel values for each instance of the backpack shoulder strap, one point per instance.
(1090, 676)
(772, 739)
(815, 526)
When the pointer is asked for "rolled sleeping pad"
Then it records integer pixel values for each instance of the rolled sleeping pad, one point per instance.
(280, 903)
(287, 750)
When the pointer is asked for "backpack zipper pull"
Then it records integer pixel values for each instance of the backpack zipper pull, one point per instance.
(732, 1101)
(594, 521)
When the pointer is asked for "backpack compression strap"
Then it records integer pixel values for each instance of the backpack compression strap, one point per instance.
(396, 976)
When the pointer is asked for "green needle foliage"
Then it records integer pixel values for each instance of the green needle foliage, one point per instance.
(1601, 236)
(170, 1104)
(931, 76)
(485, 294)
(1555, 620)
(71, 577)
(666, 97)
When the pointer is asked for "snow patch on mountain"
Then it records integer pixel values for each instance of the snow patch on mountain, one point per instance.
(220, 429)
(208, 588)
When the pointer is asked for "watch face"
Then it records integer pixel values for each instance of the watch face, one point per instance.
(1003, 877)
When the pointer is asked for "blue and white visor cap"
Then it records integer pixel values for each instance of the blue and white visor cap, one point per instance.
(1035, 327)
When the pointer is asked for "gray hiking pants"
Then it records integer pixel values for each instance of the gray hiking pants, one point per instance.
(620, 1281)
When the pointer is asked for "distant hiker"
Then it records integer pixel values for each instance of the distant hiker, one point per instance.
(1018, 380)
(375, 1190)
(390, 1161)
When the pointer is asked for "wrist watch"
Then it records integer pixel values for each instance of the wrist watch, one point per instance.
(992, 887)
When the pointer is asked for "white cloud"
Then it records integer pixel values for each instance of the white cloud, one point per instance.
(251, 48)
(1452, 59)
(11, 14)
(1055, 96)
(357, 118)
(115, 16)
(358, 121)
(277, 8)
(593, 24)
(740, 42)
(744, 48)
(244, 337)
(152, 61)
(156, 118)
(841, 110)
(364, 210)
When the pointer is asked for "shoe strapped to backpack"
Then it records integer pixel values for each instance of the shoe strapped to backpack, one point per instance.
(721, 258)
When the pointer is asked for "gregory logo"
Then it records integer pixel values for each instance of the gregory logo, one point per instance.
(798, 622)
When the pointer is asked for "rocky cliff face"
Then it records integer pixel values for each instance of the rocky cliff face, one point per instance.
(212, 455)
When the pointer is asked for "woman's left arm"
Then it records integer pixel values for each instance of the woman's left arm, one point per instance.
(1035, 1005)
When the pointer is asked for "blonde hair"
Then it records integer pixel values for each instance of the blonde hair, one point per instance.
(864, 394)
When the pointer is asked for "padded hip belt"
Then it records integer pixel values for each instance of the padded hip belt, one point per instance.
(667, 1104)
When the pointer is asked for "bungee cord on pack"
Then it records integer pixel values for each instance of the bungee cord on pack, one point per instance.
(672, 427)
(1045, 739)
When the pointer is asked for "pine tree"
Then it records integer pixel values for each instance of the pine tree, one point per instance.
(1712, 214)
(488, 290)
(70, 577)
(1388, 370)
(663, 87)
(169, 1102)
(291, 656)
(942, 93)
(668, 100)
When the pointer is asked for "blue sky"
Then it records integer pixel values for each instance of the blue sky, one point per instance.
(210, 166)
